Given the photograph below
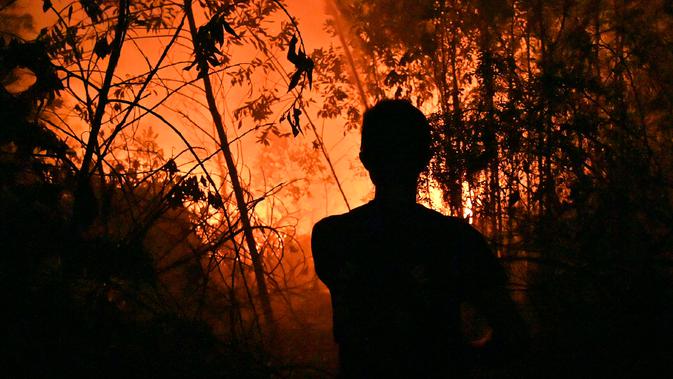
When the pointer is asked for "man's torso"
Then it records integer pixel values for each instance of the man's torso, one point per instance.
(396, 277)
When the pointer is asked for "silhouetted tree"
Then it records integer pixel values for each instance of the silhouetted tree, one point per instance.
(144, 250)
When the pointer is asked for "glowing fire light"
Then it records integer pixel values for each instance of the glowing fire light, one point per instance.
(436, 201)
(467, 209)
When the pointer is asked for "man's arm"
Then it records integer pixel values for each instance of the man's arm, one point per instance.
(485, 289)
(322, 249)
(510, 333)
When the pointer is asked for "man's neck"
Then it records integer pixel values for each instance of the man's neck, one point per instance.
(395, 195)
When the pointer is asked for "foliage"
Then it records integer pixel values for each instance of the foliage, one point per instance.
(551, 131)
(81, 306)
(120, 259)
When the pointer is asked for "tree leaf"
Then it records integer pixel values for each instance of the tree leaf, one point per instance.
(92, 9)
(46, 4)
(296, 129)
(309, 72)
(213, 61)
(294, 80)
(171, 167)
(291, 52)
(229, 29)
(101, 48)
(215, 200)
(218, 33)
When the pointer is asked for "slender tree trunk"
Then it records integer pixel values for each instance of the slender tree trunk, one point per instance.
(544, 128)
(445, 71)
(242, 205)
(491, 136)
(323, 149)
(338, 26)
(85, 202)
(457, 118)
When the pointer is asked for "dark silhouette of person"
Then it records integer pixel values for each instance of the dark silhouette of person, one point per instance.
(397, 271)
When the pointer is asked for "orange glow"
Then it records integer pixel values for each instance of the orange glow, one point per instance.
(185, 110)
(467, 209)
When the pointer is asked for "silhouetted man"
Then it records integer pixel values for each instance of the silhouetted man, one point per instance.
(397, 271)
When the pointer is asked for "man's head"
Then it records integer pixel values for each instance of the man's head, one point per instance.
(395, 144)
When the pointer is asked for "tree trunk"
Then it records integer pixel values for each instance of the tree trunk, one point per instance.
(242, 205)
(85, 202)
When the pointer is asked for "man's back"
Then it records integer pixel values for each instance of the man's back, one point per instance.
(397, 275)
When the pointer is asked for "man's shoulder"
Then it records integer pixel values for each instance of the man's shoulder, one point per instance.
(322, 227)
(456, 231)
(329, 231)
(432, 221)
(444, 221)
(336, 221)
